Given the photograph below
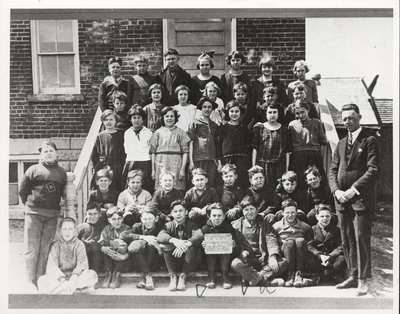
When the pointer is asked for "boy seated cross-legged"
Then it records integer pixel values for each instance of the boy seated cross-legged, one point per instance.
(180, 241)
(259, 262)
(67, 270)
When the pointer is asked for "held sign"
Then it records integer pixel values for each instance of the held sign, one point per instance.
(218, 243)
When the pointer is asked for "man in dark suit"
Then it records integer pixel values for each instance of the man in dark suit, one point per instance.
(172, 77)
(353, 175)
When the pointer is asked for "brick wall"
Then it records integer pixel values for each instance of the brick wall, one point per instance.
(282, 38)
(98, 40)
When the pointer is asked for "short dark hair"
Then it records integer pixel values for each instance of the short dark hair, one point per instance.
(247, 201)
(235, 55)
(229, 106)
(120, 96)
(351, 106)
(219, 206)
(321, 207)
(93, 205)
(241, 86)
(165, 110)
(313, 170)
(136, 110)
(176, 203)
(288, 203)
(301, 104)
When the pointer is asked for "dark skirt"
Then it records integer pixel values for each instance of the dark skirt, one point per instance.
(145, 166)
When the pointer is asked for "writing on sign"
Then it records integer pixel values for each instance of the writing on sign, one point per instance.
(218, 243)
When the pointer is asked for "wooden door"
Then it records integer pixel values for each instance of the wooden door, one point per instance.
(192, 36)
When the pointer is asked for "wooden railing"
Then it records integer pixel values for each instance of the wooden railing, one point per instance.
(84, 168)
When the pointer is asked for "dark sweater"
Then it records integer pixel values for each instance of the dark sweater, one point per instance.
(230, 196)
(41, 188)
(233, 140)
(267, 201)
(161, 201)
(138, 230)
(190, 233)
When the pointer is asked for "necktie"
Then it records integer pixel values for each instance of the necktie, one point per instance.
(180, 232)
(350, 139)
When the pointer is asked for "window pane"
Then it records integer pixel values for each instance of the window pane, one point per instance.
(13, 172)
(66, 71)
(13, 194)
(27, 164)
(47, 36)
(48, 72)
(64, 36)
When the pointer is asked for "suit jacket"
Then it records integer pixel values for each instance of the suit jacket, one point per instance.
(181, 78)
(361, 170)
(330, 244)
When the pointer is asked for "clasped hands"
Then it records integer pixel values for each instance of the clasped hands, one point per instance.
(344, 196)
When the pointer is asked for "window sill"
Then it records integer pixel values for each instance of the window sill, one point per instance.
(55, 98)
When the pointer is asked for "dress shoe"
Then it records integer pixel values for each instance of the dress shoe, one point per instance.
(350, 282)
(362, 287)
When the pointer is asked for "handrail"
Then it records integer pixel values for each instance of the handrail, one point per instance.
(83, 169)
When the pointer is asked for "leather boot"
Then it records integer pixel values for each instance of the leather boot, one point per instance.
(350, 282)
(106, 281)
(116, 280)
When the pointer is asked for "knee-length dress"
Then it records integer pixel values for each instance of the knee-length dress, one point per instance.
(169, 145)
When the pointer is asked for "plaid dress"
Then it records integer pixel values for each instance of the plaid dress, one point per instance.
(271, 146)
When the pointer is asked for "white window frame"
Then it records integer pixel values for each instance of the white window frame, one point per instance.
(35, 62)
(20, 166)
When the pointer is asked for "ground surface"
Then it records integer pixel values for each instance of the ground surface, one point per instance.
(380, 294)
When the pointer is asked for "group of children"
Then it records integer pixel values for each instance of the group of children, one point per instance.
(168, 173)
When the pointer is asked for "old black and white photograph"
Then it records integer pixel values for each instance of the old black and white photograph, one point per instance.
(232, 157)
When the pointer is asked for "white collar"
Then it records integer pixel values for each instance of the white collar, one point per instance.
(355, 134)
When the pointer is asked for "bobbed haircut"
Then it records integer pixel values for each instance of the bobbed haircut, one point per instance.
(156, 86)
(167, 109)
(266, 61)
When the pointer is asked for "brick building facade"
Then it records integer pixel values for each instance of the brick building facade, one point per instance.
(71, 115)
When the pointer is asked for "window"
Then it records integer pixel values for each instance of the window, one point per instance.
(17, 168)
(55, 57)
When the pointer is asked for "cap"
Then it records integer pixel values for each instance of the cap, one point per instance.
(47, 143)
